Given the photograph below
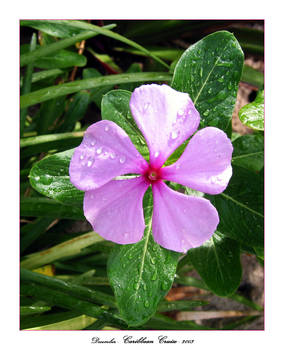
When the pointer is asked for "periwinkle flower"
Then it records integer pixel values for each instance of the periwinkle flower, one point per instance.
(114, 208)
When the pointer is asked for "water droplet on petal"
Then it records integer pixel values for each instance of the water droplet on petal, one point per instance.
(112, 155)
(81, 156)
(107, 128)
(89, 163)
(146, 106)
(122, 159)
(93, 142)
(99, 150)
(156, 155)
(174, 135)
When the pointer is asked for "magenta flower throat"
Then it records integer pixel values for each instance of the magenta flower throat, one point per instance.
(114, 207)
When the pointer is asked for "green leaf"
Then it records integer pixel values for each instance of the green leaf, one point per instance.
(104, 31)
(115, 107)
(135, 67)
(240, 207)
(44, 207)
(50, 177)
(75, 86)
(252, 76)
(61, 59)
(96, 94)
(218, 263)
(141, 274)
(252, 114)
(76, 110)
(31, 231)
(44, 143)
(45, 74)
(49, 112)
(66, 249)
(31, 310)
(53, 28)
(52, 48)
(27, 85)
(209, 71)
(249, 152)
(66, 301)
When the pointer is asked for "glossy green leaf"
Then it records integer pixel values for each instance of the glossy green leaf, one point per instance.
(218, 263)
(44, 74)
(241, 206)
(44, 207)
(209, 71)
(53, 28)
(79, 25)
(44, 143)
(27, 85)
(134, 68)
(249, 152)
(52, 48)
(50, 177)
(252, 114)
(75, 86)
(66, 249)
(61, 299)
(141, 274)
(115, 107)
(76, 111)
(252, 76)
(30, 232)
(31, 310)
(61, 59)
(96, 94)
(49, 113)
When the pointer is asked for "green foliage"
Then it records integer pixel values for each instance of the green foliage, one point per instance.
(213, 69)
(82, 281)
(252, 115)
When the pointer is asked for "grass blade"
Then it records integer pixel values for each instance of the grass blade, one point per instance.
(75, 86)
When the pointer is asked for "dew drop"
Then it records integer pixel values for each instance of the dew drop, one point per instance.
(164, 285)
(174, 135)
(81, 156)
(93, 143)
(154, 277)
(146, 106)
(37, 178)
(177, 166)
(152, 261)
(99, 150)
(180, 112)
(107, 128)
(156, 155)
(112, 155)
(146, 304)
(136, 286)
(89, 163)
(122, 159)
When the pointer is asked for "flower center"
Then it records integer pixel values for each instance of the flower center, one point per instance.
(152, 175)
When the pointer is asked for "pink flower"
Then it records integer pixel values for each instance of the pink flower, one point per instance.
(114, 208)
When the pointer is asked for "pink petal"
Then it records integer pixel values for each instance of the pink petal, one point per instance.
(205, 165)
(115, 210)
(105, 152)
(165, 117)
(181, 222)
